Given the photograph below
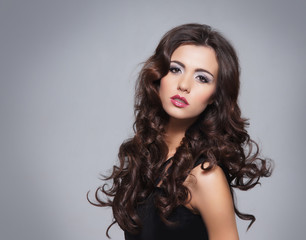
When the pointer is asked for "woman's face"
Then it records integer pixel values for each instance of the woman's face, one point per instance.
(190, 83)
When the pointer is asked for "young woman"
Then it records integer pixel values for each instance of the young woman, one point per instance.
(176, 176)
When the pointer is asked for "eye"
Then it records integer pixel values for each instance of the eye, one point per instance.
(175, 70)
(203, 78)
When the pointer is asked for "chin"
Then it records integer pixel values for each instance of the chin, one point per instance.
(182, 117)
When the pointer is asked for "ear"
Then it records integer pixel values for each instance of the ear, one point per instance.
(212, 100)
(214, 103)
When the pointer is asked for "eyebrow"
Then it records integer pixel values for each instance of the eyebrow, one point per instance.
(197, 70)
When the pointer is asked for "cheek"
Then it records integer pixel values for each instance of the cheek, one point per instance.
(204, 97)
(162, 84)
(163, 87)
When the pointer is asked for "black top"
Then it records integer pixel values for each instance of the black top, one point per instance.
(188, 225)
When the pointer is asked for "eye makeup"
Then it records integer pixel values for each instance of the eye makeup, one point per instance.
(176, 68)
(202, 75)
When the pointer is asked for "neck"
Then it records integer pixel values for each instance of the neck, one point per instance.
(175, 131)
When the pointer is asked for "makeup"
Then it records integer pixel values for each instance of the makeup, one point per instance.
(179, 101)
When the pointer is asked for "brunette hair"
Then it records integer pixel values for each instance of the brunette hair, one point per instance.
(219, 135)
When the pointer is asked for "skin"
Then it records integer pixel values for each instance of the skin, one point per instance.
(193, 75)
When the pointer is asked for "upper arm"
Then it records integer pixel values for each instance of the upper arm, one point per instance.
(211, 196)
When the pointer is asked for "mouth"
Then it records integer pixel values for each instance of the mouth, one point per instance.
(179, 101)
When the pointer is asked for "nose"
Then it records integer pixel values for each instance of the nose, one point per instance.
(184, 84)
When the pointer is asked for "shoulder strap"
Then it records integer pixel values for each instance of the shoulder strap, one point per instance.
(199, 161)
(162, 170)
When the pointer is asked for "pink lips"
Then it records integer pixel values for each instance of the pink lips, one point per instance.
(179, 101)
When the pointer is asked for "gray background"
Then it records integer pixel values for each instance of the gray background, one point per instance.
(68, 70)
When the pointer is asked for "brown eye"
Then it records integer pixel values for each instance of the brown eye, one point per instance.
(203, 79)
(174, 70)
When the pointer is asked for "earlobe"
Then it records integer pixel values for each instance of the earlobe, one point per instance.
(212, 101)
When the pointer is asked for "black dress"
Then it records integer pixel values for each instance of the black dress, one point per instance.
(188, 225)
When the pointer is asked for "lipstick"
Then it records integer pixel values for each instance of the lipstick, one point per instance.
(179, 101)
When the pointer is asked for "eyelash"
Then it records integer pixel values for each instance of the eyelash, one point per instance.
(201, 78)
(174, 70)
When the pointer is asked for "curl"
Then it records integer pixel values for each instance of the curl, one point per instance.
(219, 135)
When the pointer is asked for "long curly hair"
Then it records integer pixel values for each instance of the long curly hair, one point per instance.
(219, 135)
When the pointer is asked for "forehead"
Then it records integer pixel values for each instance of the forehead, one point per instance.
(193, 56)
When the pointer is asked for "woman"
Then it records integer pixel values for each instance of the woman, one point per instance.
(176, 176)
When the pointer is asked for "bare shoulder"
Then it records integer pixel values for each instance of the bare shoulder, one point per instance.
(211, 197)
(204, 180)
